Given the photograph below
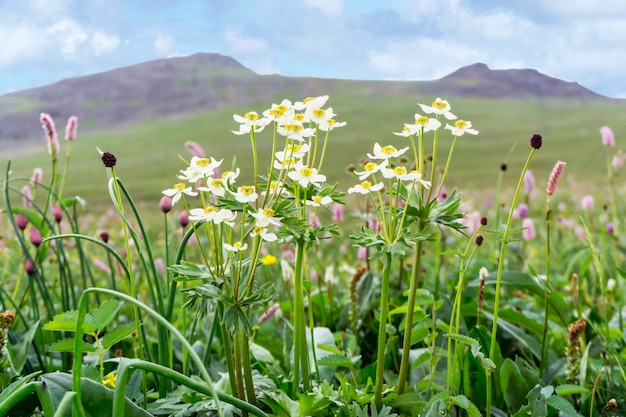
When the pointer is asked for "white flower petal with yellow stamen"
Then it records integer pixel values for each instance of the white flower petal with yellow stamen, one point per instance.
(305, 175)
(319, 115)
(438, 106)
(214, 186)
(235, 247)
(461, 127)
(293, 150)
(423, 124)
(295, 130)
(265, 234)
(265, 217)
(251, 119)
(246, 194)
(386, 152)
(310, 103)
(280, 113)
(190, 175)
(204, 166)
(371, 168)
(331, 124)
(176, 192)
(365, 187)
(395, 172)
(317, 201)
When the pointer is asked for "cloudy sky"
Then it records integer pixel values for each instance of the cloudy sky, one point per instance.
(576, 40)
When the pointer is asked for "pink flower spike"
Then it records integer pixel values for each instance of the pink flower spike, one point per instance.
(337, 213)
(71, 128)
(554, 177)
(27, 197)
(608, 138)
(529, 181)
(529, 229)
(586, 202)
(194, 148)
(37, 176)
(51, 133)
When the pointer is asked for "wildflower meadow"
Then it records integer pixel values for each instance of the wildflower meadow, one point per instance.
(267, 289)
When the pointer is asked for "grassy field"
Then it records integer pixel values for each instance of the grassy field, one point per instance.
(148, 154)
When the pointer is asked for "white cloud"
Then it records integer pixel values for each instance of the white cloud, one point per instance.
(49, 8)
(332, 8)
(70, 34)
(244, 44)
(23, 42)
(101, 42)
(164, 44)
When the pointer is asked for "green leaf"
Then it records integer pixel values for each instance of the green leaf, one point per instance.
(117, 335)
(411, 399)
(570, 389)
(563, 406)
(105, 313)
(66, 322)
(96, 398)
(67, 345)
(437, 409)
(463, 402)
(20, 350)
(513, 385)
(335, 360)
(537, 406)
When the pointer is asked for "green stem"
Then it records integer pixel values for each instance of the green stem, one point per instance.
(408, 329)
(445, 170)
(505, 237)
(546, 312)
(301, 352)
(65, 169)
(382, 330)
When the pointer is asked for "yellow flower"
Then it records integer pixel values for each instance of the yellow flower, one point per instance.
(109, 380)
(269, 259)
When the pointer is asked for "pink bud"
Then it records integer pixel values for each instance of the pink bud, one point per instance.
(36, 178)
(57, 213)
(22, 221)
(608, 138)
(29, 267)
(194, 148)
(183, 219)
(71, 128)
(587, 202)
(362, 254)
(104, 235)
(529, 229)
(35, 236)
(337, 213)
(269, 313)
(165, 204)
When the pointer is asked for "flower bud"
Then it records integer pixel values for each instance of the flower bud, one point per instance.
(108, 159)
(165, 204)
(104, 235)
(183, 219)
(536, 141)
(22, 221)
(57, 213)
(35, 236)
(29, 267)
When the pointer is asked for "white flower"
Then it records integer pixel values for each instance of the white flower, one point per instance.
(265, 217)
(305, 175)
(330, 124)
(191, 175)
(293, 150)
(279, 113)
(406, 131)
(286, 163)
(236, 247)
(365, 187)
(214, 186)
(275, 187)
(310, 103)
(205, 166)
(252, 119)
(371, 168)
(295, 130)
(263, 233)
(460, 127)
(386, 152)
(438, 106)
(423, 124)
(213, 215)
(319, 115)
(176, 192)
(246, 194)
(230, 176)
(317, 201)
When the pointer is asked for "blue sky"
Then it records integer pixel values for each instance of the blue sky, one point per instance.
(576, 40)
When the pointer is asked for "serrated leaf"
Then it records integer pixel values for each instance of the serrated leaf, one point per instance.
(563, 406)
(335, 360)
(66, 322)
(329, 348)
(117, 334)
(411, 399)
(67, 345)
(464, 402)
(105, 313)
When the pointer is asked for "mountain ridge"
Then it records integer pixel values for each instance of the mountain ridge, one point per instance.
(178, 86)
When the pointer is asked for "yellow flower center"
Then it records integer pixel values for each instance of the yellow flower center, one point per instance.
(180, 186)
(439, 105)
(251, 116)
(269, 259)
(282, 108)
(237, 245)
(366, 184)
(246, 189)
(319, 112)
(273, 185)
(276, 112)
(369, 166)
(257, 230)
(269, 212)
(216, 182)
(203, 162)
(399, 170)
(292, 127)
(421, 120)
(406, 129)
(388, 150)
(306, 100)
(225, 174)
(298, 117)
(209, 210)
(331, 121)
(306, 172)
(460, 124)
(293, 147)
(414, 171)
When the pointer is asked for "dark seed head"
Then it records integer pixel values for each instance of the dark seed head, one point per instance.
(503, 167)
(479, 240)
(483, 221)
(535, 141)
(109, 160)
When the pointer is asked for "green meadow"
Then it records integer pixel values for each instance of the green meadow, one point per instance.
(148, 153)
